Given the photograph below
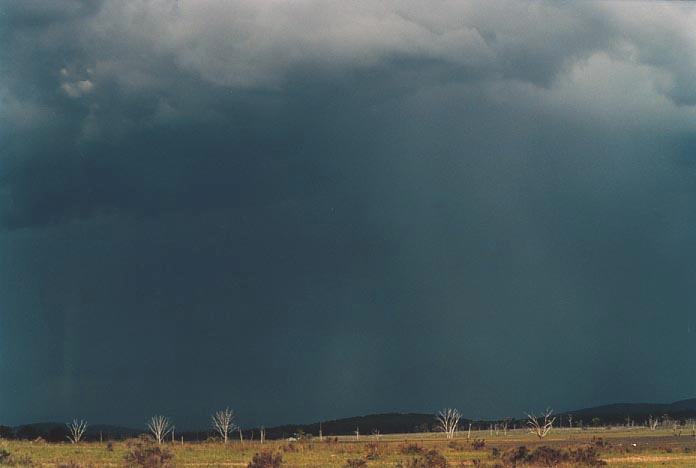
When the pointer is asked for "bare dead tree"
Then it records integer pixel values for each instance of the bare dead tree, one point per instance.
(448, 421)
(506, 424)
(570, 420)
(223, 423)
(357, 433)
(676, 428)
(159, 426)
(666, 420)
(537, 426)
(653, 422)
(76, 430)
(263, 434)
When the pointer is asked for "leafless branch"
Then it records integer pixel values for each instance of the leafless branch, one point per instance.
(223, 423)
(76, 430)
(159, 426)
(537, 426)
(448, 421)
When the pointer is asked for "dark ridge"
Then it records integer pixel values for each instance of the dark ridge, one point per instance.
(384, 423)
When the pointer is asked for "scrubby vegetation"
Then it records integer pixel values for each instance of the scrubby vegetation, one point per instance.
(429, 459)
(549, 456)
(144, 453)
(411, 449)
(266, 460)
(517, 448)
(8, 459)
(355, 463)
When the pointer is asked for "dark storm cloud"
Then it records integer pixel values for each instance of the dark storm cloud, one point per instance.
(94, 81)
(327, 204)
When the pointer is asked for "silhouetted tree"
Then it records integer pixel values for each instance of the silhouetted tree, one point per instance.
(57, 434)
(28, 433)
(6, 432)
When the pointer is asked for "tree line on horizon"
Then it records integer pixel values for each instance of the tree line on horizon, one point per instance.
(223, 427)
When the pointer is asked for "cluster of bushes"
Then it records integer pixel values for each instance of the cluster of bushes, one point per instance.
(549, 456)
(266, 460)
(427, 459)
(478, 444)
(53, 434)
(4, 455)
(374, 451)
(411, 449)
(7, 459)
(423, 458)
(144, 453)
(355, 463)
(56, 434)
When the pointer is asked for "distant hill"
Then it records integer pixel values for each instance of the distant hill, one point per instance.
(617, 413)
(385, 423)
(58, 432)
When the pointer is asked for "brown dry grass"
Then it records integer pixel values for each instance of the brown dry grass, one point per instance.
(616, 446)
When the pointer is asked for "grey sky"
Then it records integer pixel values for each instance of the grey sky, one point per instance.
(321, 209)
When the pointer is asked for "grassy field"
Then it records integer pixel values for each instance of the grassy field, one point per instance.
(617, 447)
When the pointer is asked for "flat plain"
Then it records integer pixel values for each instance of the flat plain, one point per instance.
(624, 447)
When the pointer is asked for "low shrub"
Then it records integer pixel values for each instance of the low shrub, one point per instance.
(515, 456)
(374, 451)
(599, 442)
(429, 459)
(585, 456)
(266, 460)
(144, 453)
(478, 444)
(458, 446)
(355, 463)
(411, 449)
(549, 456)
(12, 460)
(4, 455)
(290, 447)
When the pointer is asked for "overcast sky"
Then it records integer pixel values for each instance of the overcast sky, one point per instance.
(309, 210)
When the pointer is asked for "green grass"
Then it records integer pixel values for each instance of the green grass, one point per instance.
(652, 448)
